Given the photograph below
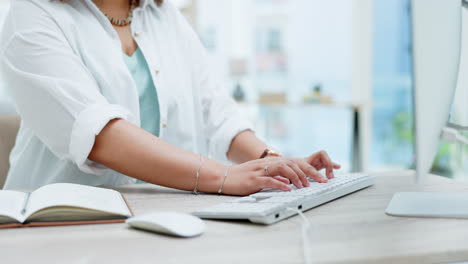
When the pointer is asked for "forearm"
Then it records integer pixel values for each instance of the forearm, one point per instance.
(132, 151)
(246, 146)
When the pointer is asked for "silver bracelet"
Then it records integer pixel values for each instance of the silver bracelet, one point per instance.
(220, 190)
(195, 191)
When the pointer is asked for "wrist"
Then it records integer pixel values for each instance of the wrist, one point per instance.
(268, 152)
(211, 177)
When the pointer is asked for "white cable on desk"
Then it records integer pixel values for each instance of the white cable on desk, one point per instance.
(305, 237)
(452, 135)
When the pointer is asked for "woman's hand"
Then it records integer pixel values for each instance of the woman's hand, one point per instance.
(277, 173)
(314, 163)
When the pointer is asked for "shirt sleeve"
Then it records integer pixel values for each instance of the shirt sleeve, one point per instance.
(222, 119)
(55, 95)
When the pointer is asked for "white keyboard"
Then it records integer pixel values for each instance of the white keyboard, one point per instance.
(270, 206)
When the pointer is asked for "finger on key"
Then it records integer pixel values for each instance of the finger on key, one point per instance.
(328, 164)
(301, 173)
(311, 171)
(271, 182)
(282, 179)
(287, 172)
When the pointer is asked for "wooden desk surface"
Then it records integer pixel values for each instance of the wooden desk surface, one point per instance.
(353, 229)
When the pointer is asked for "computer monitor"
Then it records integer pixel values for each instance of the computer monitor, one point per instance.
(436, 31)
(436, 34)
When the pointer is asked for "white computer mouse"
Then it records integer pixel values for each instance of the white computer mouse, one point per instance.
(171, 223)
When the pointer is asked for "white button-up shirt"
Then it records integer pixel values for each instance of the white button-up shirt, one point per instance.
(63, 66)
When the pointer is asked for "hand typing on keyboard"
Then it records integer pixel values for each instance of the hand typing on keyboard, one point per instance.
(271, 205)
(278, 172)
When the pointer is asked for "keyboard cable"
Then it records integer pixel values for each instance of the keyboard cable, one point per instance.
(305, 238)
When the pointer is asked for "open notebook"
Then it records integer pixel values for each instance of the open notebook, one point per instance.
(62, 204)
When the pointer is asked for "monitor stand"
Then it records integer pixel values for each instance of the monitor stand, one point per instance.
(429, 204)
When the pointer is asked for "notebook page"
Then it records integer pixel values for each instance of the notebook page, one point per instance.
(11, 204)
(67, 194)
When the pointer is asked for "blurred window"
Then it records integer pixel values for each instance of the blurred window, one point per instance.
(288, 63)
(392, 88)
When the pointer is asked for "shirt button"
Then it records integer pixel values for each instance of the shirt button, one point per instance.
(164, 125)
(156, 71)
(136, 34)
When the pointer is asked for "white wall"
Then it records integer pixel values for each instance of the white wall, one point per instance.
(460, 107)
(319, 40)
(322, 46)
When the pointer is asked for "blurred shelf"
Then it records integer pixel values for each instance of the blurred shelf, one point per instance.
(356, 108)
(352, 105)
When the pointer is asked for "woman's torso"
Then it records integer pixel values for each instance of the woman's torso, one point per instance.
(90, 35)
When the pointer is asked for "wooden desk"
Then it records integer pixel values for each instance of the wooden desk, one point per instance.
(353, 229)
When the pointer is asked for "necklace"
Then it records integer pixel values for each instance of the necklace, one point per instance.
(122, 22)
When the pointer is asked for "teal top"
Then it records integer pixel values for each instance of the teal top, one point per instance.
(149, 104)
(148, 97)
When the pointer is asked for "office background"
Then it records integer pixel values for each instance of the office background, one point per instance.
(300, 69)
